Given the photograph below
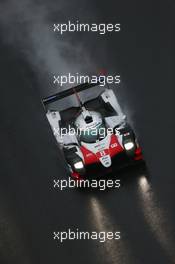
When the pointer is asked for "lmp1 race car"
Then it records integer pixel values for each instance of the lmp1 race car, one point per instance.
(93, 133)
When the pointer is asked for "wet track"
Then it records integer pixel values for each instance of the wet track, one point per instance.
(142, 209)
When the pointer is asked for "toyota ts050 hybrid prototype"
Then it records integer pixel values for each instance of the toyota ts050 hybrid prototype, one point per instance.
(92, 132)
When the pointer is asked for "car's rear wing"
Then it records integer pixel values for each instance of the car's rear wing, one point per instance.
(68, 92)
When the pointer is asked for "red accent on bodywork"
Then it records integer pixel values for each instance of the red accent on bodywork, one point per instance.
(115, 146)
(138, 154)
(76, 175)
(114, 149)
(89, 156)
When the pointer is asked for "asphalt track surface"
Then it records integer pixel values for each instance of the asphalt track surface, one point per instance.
(142, 209)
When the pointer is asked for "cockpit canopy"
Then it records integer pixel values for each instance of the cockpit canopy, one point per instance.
(90, 132)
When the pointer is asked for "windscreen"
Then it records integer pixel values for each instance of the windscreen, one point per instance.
(91, 135)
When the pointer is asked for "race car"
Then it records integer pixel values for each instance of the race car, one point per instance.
(92, 133)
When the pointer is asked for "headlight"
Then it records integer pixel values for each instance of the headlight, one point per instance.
(129, 145)
(79, 165)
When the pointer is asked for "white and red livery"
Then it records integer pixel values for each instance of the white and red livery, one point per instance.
(94, 135)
